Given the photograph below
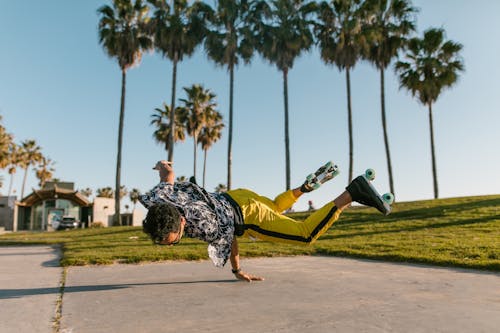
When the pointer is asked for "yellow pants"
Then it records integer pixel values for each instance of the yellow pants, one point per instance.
(263, 218)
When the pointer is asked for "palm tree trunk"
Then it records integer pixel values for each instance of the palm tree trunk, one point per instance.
(195, 141)
(434, 169)
(24, 181)
(172, 111)
(11, 182)
(204, 165)
(287, 136)
(230, 134)
(384, 126)
(349, 118)
(118, 219)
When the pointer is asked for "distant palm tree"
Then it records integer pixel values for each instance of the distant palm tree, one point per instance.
(221, 188)
(86, 192)
(105, 192)
(181, 179)
(134, 196)
(431, 65)
(200, 103)
(15, 161)
(30, 155)
(124, 35)
(284, 34)
(123, 191)
(6, 141)
(44, 170)
(178, 29)
(228, 42)
(210, 133)
(392, 22)
(342, 37)
(161, 120)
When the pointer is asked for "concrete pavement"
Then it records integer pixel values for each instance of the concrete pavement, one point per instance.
(29, 288)
(300, 294)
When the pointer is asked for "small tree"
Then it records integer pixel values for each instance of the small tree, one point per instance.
(200, 103)
(134, 196)
(30, 155)
(210, 134)
(105, 192)
(221, 188)
(86, 192)
(161, 120)
(44, 170)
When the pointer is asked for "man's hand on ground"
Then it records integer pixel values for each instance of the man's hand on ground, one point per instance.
(248, 277)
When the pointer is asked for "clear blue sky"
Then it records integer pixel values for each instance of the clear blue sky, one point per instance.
(58, 86)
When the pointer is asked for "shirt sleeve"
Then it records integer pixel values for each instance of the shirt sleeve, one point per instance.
(159, 193)
(220, 250)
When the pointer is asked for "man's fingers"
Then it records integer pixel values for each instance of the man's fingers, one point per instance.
(256, 278)
(163, 163)
(248, 277)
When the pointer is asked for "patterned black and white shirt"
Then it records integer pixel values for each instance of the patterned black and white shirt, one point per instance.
(209, 216)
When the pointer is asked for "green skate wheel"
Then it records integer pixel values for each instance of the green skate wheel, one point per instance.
(310, 177)
(328, 165)
(388, 198)
(370, 174)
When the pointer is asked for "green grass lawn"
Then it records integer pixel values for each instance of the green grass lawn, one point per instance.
(459, 232)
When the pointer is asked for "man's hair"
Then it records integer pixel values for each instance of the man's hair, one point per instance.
(161, 219)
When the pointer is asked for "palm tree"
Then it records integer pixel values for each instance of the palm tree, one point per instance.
(45, 170)
(30, 154)
(15, 161)
(392, 22)
(227, 42)
(123, 191)
(199, 104)
(124, 35)
(6, 141)
(105, 192)
(86, 192)
(283, 35)
(210, 133)
(178, 29)
(221, 188)
(134, 196)
(432, 64)
(342, 37)
(161, 122)
(181, 179)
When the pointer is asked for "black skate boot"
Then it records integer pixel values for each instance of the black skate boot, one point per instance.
(362, 191)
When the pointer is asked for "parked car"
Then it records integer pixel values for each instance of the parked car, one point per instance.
(68, 222)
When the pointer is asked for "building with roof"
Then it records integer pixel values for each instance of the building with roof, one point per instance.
(41, 208)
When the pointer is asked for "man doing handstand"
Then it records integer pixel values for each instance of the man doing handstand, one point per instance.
(184, 208)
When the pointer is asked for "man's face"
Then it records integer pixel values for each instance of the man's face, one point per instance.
(174, 237)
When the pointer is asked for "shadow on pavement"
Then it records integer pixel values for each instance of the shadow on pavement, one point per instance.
(17, 293)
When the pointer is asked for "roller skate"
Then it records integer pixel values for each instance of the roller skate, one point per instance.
(321, 176)
(362, 191)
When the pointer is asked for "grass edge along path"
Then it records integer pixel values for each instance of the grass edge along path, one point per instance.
(455, 232)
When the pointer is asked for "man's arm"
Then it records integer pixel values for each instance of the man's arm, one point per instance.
(235, 264)
(166, 171)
